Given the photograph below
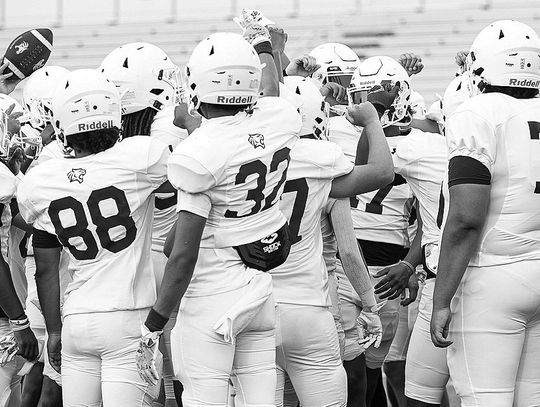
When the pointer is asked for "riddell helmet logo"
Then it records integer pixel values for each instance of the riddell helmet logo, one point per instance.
(235, 100)
(529, 83)
(95, 126)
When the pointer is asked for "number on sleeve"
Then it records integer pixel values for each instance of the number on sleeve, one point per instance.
(103, 224)
(534, 129)
(256, 194)
(301, 188)
(79, 229)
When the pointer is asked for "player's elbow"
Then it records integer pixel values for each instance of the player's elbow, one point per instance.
(384, 175)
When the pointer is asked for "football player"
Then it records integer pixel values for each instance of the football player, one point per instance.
(105, 226)
(487, 290)
(380, 219)
(42, 383)
(37, 96)
(422, 159)
(17, 337)
(148, 80)
(307, 341)
(229, 174)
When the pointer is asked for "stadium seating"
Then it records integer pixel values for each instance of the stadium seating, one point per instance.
(435, 30)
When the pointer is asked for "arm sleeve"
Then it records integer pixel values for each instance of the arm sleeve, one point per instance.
(353, 263)
(469, 134)
(467, 170)
(198, 204)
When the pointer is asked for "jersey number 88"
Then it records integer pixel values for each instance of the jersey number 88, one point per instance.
(103, 224)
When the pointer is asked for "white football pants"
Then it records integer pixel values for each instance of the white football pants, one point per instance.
(426, 370)
(308, 351)
(203, 361)
(495, 358)
(98, 360)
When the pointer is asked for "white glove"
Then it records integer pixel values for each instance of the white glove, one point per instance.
(146, 355)
(253, 25)
(248, 17)
(369, 326)
(8, 349)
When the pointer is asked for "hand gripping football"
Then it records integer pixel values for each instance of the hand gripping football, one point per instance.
(28, 52)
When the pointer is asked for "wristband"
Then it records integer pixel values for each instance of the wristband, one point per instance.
(168, 385)
(19, 324)
(155, 321)
(264, 47)
(409, 266)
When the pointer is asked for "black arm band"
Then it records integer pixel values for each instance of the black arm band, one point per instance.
(264, 47)
(467, 170)
(44, 240)
(155, 321)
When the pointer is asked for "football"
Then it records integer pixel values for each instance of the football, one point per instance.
(28, 52)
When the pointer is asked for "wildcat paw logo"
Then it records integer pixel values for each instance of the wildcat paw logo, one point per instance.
(76, 175)
(20, 48)
(256, 140)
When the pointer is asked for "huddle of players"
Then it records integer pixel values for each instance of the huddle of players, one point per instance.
(248, 301)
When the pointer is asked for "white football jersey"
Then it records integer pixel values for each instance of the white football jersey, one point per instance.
(503, 133)
(18, 248)
(231, 170)
(100, 208)
(303, 278)
(51, 150)
(379, 216)
(165, 131)
(8, 187)
(344, 134)
(422, 159)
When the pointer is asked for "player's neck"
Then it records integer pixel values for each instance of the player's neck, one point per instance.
(81, 153)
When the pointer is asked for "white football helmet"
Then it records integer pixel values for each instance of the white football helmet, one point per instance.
(313, 109)
(383, 72)
(86, 100)
(145, 76)
(27, 137)
(338, 63)
(457, 92)
(38, 91)
(418, 106)
(505, 53)
(223, 69)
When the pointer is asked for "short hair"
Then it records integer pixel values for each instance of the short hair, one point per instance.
(94, 141)
(138, 123)
(518, 93)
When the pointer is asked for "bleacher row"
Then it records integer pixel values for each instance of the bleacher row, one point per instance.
(369, 27)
